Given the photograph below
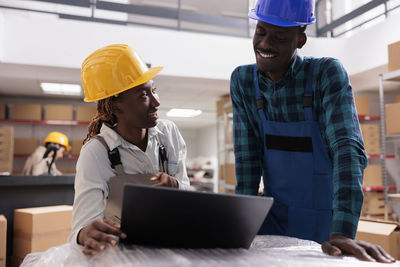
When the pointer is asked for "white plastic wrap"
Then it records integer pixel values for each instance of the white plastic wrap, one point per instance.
(264, 251)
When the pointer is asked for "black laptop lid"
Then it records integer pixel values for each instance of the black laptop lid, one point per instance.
(167, 217)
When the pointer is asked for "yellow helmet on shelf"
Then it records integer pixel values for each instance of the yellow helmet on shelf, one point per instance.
(113, 69)
(58, 138)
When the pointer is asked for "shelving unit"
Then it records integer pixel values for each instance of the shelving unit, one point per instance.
(391, 76)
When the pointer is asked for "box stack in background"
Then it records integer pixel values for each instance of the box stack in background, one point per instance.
(387, 235)
(76, 146)
(370, 133)
(374, 205)
(6, 149)
(362, 105)
(25, 146)
(397, 98)
(393, 55)
(85, 114)
(3, 240)
(58, 112)
(27, 112)
(373, 176)
(2, 111)
(38, 229)
(392, 119)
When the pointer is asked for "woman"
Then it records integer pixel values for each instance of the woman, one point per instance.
(42, 160)
(127, 124)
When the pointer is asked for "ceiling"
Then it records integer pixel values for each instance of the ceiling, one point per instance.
(19, 81)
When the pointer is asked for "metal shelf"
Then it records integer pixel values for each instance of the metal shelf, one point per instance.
(368, 118)
(46, 122)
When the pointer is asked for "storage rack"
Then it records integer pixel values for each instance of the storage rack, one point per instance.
(391, 76)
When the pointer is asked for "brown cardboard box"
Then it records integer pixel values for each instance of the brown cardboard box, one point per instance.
(85, 114)
(58, 112)
(362, 105)
(229, 173)
(397, 98)
(373, 176)
(2, 111)
(370, 133)
(394, 58)
(3, 240)
(221, 103)
(27, 111)
(387, 235)
(6, 149)
(76, 147)
(374, 204)
(37, 229)
(25, 146)
(392, 119)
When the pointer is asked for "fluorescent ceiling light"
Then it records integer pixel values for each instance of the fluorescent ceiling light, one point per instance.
(61, 88)
(186, 113)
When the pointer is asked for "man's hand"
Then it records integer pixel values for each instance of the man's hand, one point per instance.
(93, 236)
(163, 179)
(339, 245)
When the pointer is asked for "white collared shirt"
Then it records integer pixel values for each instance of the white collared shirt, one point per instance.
(93, 169)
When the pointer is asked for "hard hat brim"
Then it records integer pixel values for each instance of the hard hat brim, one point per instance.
(146, 76)
(277, 21)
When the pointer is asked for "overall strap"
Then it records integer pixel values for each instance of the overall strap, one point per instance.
(162, 155)
(260, 100)
(308, 94)
(113, 156)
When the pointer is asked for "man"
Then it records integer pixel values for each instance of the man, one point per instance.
(295, 124)
(42, 160)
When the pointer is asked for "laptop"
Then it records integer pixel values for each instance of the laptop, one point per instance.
(168, 217)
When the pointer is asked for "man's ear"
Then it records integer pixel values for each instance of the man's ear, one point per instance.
(302, 40)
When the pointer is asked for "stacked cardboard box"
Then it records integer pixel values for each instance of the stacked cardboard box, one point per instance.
(2, 111)
(362, 105)
(25, 146)
(3, 240)
(370, 133)
(392, 119)
(85, 114)
(27, 111)
(373, 176)
(397, 98)
(393, 54)
(6, 149)
(58, 112)
(374, 204)
(76, 146)
(385, 234)
(37, 229)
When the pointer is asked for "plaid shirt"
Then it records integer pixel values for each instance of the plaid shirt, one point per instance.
(337, 119)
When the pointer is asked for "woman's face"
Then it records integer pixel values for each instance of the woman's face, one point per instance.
(137, 107)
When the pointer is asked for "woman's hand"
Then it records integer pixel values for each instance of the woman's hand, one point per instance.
(93, 236)
(339, 245)
(163, 179)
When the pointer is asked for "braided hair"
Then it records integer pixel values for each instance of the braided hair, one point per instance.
(105, 114)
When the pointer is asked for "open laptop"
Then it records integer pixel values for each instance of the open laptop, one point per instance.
(168, 217)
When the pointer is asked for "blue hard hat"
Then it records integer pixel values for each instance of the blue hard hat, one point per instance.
(284, 13)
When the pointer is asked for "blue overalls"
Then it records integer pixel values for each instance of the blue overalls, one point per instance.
(297, 173)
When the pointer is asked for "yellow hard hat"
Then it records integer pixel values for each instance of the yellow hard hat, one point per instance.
(113, 69)
(58, 138)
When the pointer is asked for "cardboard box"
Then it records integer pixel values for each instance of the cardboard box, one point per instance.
(6, 149)
(37, 229)
(3, 240)
(386, 235)
(362, 105)
(392, 119)
(2, 111)
(374, 204)
(76, 146)
(27, 111)
(373, 176)
(221, 103)
(25, 146)
(370, 133)
(394, 56)
(397, 98)
(229, 174)
(85, 114)
(58, 112)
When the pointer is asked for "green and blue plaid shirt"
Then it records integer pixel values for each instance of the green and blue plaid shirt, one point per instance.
(337, 119)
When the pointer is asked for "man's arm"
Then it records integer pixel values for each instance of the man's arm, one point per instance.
(247, 148)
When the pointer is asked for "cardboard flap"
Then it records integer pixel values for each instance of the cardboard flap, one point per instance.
(376, 227)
